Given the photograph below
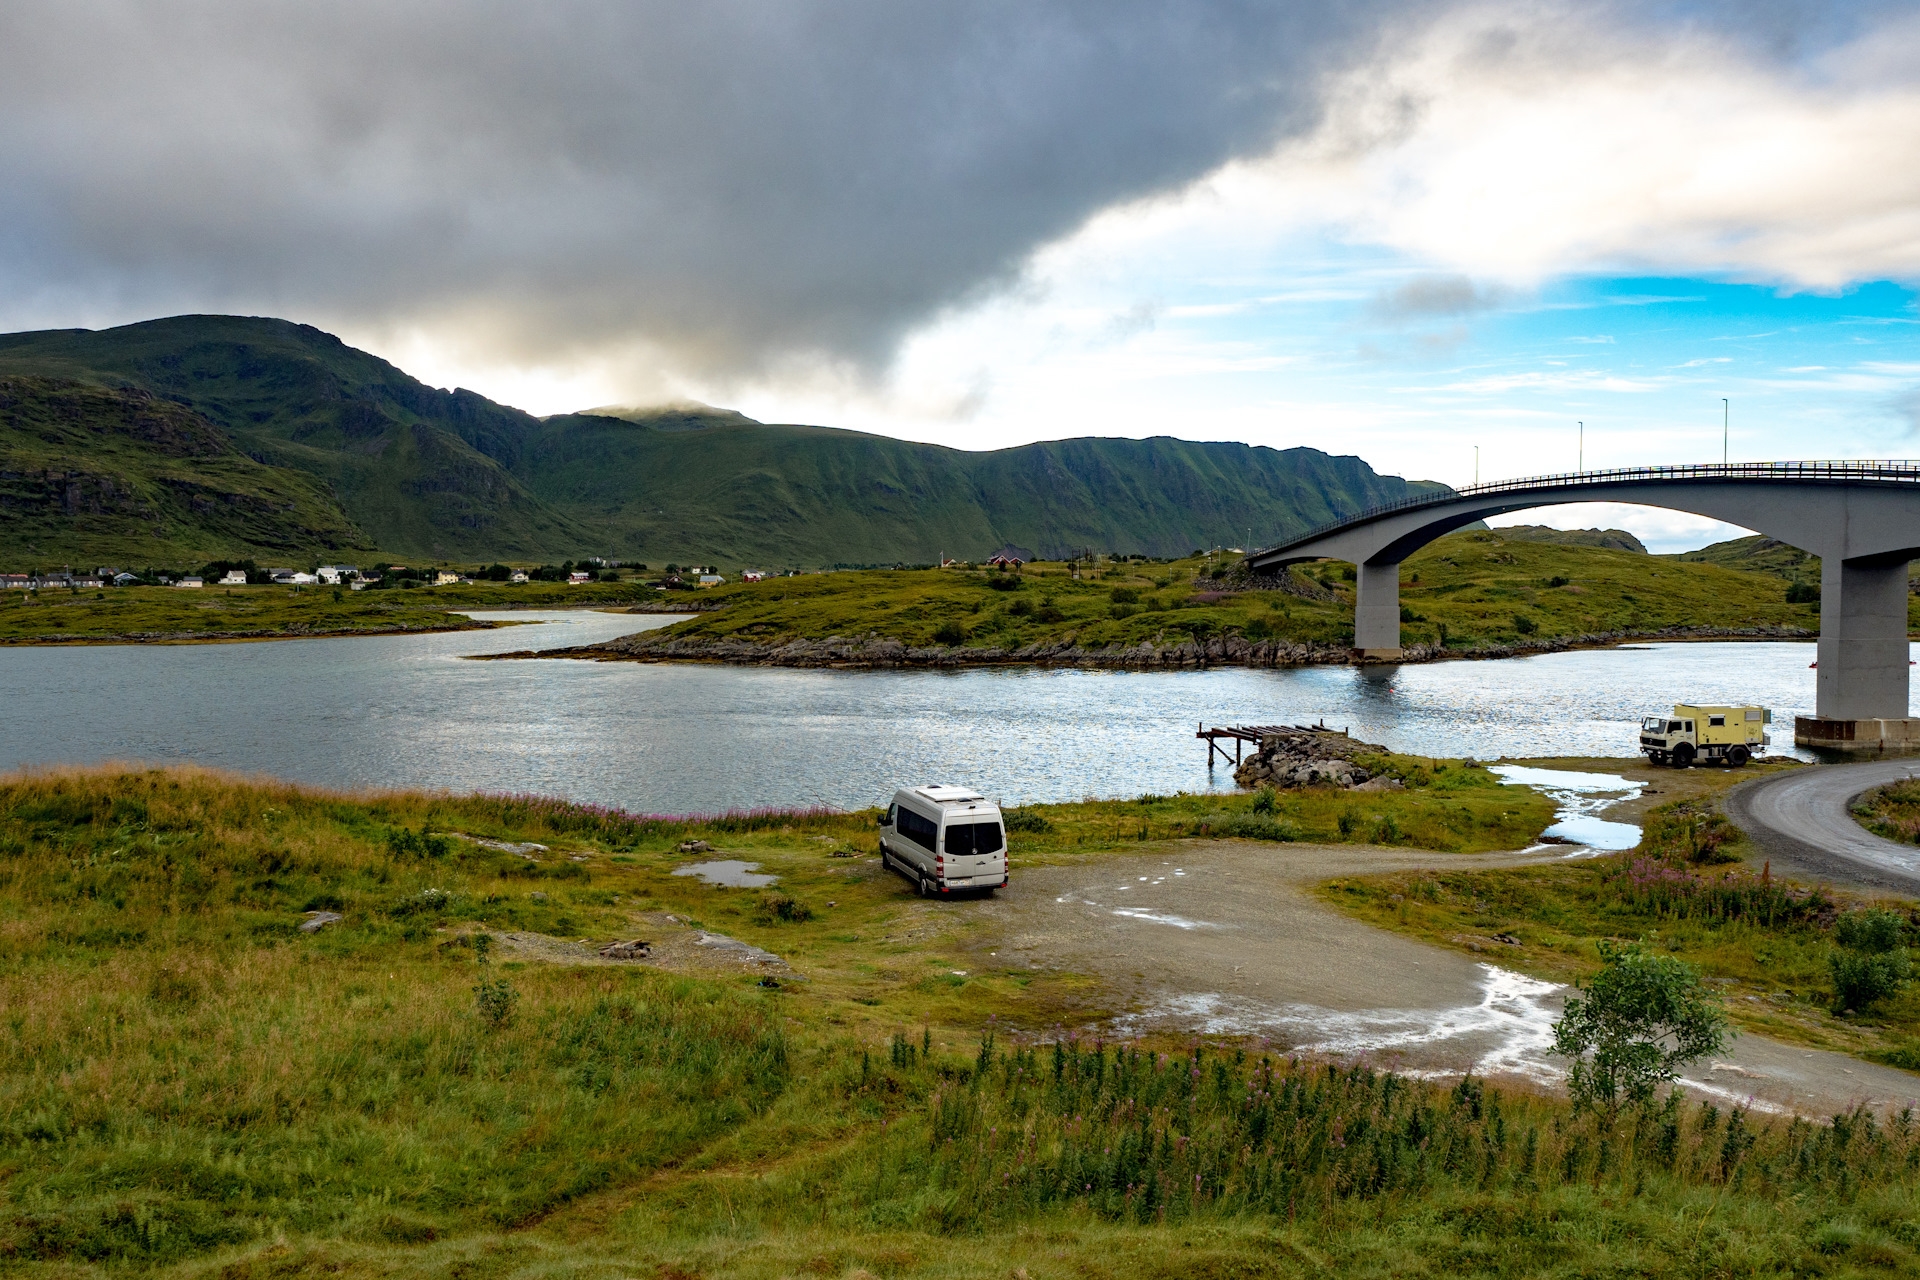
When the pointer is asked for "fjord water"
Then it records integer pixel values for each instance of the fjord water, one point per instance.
(411, 711)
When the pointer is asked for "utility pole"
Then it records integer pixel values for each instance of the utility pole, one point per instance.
(1726, 414)
(1582, 464)
(1476, 464)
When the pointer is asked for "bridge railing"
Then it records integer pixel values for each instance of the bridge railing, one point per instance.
(1881, 470)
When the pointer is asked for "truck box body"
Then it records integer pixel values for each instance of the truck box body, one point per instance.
(1717, 735)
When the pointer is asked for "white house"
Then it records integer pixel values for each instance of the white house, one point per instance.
(518, 575)
(445, 578)
(192, 580)
(234, 578)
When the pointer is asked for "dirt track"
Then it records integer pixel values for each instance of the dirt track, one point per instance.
(1224, 938)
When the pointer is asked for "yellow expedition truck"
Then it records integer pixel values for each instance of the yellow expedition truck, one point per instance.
(1705, 735)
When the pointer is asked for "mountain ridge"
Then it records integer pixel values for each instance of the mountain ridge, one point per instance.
(451, 475)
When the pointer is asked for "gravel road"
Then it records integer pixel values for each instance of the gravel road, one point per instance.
(1225, 938)
(1800, 821)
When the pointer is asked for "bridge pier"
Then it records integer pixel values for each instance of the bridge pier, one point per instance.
(1861, 696)
(1376, 611)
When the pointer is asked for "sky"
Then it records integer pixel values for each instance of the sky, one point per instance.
(1454, 239)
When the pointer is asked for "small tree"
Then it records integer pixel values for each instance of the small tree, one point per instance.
(1643, 1017)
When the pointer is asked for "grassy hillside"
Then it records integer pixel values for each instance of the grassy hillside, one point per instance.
(1614, 539)
(1759, 554)
(449, 475)
(86, 472)
(1465, 590)
(444, 1084)
(421, 472)
(726, 488)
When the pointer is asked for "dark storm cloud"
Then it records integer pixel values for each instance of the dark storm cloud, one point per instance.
(729, 181)
(726, 179)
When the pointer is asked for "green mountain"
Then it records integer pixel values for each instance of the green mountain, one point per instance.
(450, 475)
(419, 471)
(1611, 539)
(87, 472)
(842, 497)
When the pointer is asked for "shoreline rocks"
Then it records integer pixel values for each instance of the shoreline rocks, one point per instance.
(884, 652)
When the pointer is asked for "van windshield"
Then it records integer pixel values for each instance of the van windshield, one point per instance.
(965, 839)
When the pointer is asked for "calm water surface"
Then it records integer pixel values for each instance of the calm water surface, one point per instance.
(408, 711)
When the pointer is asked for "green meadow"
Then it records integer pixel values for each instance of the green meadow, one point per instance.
(1466, 591)
(191, 1086)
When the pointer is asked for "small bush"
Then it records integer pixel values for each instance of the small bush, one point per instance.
(494, 1000)
(785, 907)
(1124, 595)
(1524, 625)
(1120, 611)
(1557, 581)
(1020, 609)
(1027, 821)
(1005, 582)
(417, 844)
(950, 633)
(1263, 800)
(1803, 593)
(1870, 964)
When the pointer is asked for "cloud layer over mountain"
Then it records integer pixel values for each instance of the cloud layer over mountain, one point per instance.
(720, 187)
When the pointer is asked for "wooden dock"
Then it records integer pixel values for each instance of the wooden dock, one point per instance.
(1239, 734)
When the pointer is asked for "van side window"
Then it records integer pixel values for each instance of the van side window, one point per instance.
(918, 829)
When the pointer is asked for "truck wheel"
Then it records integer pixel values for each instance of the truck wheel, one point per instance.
(1683, 756)
(1738, 757)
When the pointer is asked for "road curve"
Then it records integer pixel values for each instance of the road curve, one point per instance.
(1800, 820)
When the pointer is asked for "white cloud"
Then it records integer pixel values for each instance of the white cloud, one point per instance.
(1520, 142)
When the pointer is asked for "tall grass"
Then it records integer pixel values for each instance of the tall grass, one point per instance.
(1663, 891)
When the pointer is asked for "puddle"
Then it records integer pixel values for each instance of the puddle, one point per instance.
(1154, 915)
(1579, 797)
(1507, 1032)
(728, 873)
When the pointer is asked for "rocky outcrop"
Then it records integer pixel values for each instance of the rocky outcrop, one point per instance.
(878, 651)
(1311, 757)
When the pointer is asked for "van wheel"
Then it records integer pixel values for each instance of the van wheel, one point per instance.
(924, 887)
(1683, 756)
(886, 859)
(1738, 757)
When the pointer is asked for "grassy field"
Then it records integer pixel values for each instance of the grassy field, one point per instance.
(174, 613)
(1691, 888)
(1466, 591)
(192, 1085)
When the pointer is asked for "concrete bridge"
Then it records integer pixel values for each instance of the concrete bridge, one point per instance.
(1861, 518)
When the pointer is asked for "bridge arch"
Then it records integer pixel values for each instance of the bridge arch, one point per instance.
(1861, 518)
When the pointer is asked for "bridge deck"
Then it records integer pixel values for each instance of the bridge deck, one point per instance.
(1892, 471)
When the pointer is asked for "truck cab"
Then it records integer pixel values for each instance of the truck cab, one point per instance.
(944, 839)
(1705, 735)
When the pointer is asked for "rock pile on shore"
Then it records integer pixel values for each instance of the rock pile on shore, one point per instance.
(1307, 757)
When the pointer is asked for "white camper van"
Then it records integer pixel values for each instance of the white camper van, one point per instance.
(944, 838)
